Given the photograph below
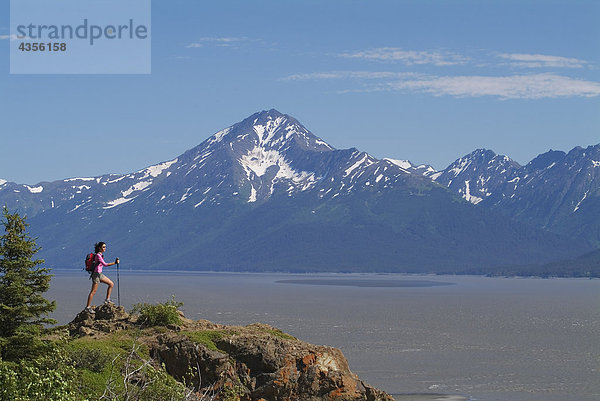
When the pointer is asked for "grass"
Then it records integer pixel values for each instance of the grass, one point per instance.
(208, 337)
(272, 331)
(279, 334)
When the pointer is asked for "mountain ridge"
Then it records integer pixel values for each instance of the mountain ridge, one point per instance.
(267, 194)
(558, 191)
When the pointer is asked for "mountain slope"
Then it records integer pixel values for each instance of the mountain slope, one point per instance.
(556, 191)
(266, 194)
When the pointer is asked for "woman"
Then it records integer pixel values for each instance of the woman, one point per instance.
(98, 277)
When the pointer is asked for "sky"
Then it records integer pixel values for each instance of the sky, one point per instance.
(427, 81)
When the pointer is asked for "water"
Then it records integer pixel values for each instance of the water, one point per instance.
(491, 339)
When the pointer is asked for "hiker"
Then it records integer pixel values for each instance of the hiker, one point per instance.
(98, 277)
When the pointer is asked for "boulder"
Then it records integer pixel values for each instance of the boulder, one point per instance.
(106, 319)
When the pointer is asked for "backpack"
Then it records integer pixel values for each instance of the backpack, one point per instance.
(90, 262)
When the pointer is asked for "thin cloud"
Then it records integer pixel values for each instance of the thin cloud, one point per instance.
(467, 85)
(350, 75)
(541, 61)
(219, 41)
(536, 86)
(408, 57)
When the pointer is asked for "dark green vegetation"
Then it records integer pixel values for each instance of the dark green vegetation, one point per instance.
(585, 266)
(22, 283)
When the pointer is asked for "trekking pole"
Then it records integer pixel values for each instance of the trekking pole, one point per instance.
(118, 285)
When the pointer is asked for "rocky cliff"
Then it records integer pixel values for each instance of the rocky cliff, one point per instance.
(254, 362)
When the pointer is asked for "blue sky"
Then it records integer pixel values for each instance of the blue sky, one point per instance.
(427, 81)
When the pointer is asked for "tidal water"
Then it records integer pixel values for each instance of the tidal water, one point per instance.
(488, 339)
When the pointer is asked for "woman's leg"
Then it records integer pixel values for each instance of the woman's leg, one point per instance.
(110, 284)
(92, 292)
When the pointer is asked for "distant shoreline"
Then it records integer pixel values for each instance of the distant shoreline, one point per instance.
(428, 397)
(366, 283)
(313, 274)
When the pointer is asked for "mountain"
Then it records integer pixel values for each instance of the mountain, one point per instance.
(267, 194)
(478, 175)
(556, 191)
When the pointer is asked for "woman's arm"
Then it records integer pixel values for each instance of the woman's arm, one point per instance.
(113, 263)
(103, 263)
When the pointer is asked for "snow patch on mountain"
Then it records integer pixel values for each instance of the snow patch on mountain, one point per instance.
(34, 190)
(269, 129)
(259, 159)
(113, 181)
(582, 199)
(79, 179)
(467, 195)
(81, 188)
(364, 159)
(252, 194)
(117, 202)
(139, 186)
(136, 187)
(186, 195)
(277, 131)
(156, 170)
(2, 182)
(321, 142)
(426, 170)
(461, 166)
(218, 137)
(403, 164)
(436, 175)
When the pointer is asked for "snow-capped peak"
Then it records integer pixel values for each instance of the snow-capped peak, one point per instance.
(407, 166)
(272, 129)
(268, 129)
(403, 164)
(478, 175)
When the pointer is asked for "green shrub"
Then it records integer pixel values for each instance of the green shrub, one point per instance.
(100, 360)
(162, 386)
(45, 378)
(158, 314)
(94, 360)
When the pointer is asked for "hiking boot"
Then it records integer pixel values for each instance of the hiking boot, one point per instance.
(89, 310)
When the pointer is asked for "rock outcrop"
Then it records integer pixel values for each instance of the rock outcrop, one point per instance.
(255, 362)
(106, 319)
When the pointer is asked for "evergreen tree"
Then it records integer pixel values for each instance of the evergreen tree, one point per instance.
(22, 283)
